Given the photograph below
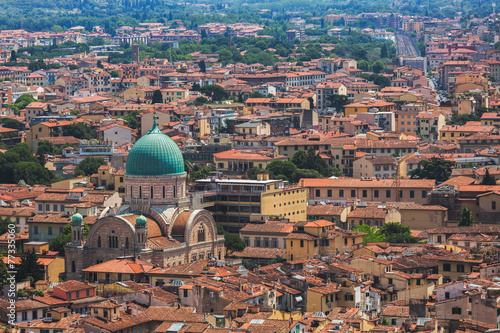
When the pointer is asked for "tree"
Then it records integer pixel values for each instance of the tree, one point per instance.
(29, 268)
(337, 101)
(114, 73)
(233, 242)
(311, 160)
(397, 233)
(4, 225)
(45, 147)
(488, 179)
(89, 166)
(436, 168)
(157, 97)
(200, 172)
(13, 56)
(4, 274)
(466, 218)
(12, 123)
(282, 170)
(33, 173)
(199, 101)
(384, 51)
(257, 94)
(80, 131)
(57, 28)
(131, 118)
(99, 64)
(216, 92)
(378, 66)
(59, 242)
(373, 235)
(203, 67)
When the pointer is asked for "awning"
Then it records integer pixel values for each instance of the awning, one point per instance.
(298, 298)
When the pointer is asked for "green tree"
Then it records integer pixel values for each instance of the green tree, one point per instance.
(74, 112)
(377, 66)
(13, 56)
(257, 94)
(282, 170)
(488, 179)
(203, 67)
(397, 233)
(59, 242)
(12, 123)
(131, 118)
(373, 235)
(157, 97)
(80, 131)
(384, 51)
(200, 172)
(4, 225)
(29, 268)
(199, 101)
(4, 274)
(233, 243)
(215, 92)
(311, 160)
(45, 147)
(466, 218)
(32, 173)
(253, 172)
(99, 64)
(114, 73)
(337, 101)
(89, 166)
(57, 28)
(436, 168)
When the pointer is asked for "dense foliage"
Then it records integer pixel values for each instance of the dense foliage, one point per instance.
(59, 242)
(89, 166)
(436, 168)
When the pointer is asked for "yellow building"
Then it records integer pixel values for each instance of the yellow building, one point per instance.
(311, 238)
(364, 107)
(241, 161)
(452, 132)
(234, 202)
(323, 298)
(109, 177)
(49, 129)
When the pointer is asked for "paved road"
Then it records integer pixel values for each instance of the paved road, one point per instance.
(405, 46)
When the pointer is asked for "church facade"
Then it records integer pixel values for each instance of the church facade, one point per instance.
(155, 223)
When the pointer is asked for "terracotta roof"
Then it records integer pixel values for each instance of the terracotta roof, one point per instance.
(269, 227)
(396, 311)
(325, 210)
(123, 266)
(260, 252)
(354, 182)
(73, 285)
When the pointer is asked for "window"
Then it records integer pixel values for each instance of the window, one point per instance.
(35, 314)
(393, 322)
(201, 233)
(50, 230)
(35, 230)
(185, 293)
(440, 239)
(40, 207)
(456, 311)
(365, 193)
(329, 193)
(318, 193)
(447, 295)
(446, 267)
(390, 281)
(341, 193)
(375, 193)
(87, 293)
(460, 268)
(387, 193)
(424, 194)
(73, 267)
(25, 315)
(412, 194)
(353, 193)
(301, 243)
(493, 205)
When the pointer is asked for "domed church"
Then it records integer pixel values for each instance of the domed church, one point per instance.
(155, 222)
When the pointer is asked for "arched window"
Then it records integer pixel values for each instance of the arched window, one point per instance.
(151, 195)
(99, 241)
(73, 266)
(110, 245)
(201, 233)
(126, 243)
(163, 192)
(140, 192)
(175, 192)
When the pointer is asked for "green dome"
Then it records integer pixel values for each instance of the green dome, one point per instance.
(141, 220)
(77, 218)
(155, 154)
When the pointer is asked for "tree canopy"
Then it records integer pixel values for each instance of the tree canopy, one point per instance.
(80, 131)
(59, 242)
(488, 179)
(466, 218)
(436, 168)
(89, 166)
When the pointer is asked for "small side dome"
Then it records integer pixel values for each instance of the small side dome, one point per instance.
(141, 221)
(77, 218)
